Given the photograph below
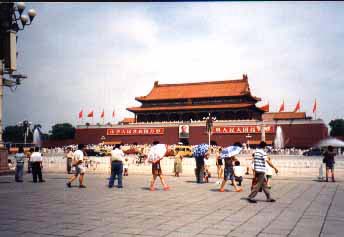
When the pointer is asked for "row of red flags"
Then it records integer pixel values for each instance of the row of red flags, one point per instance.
(91, 114)
(266, 107)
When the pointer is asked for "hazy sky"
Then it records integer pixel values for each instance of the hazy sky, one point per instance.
(96, 56)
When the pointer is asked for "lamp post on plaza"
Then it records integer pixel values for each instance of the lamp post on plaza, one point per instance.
(209, 125)
(26, 125)
(262, 129)
(248, 136)
(12, 20)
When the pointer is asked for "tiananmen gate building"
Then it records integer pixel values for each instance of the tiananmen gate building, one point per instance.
(171, 113)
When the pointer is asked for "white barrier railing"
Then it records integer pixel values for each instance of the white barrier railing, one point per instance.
(288, 165)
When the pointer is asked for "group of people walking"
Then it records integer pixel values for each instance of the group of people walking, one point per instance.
(233, 172)
(261, 166)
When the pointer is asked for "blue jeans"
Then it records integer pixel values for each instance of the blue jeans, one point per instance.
(19, 173)
(116, 170)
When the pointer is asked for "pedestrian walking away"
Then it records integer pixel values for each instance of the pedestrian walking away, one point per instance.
(200, 152)
(178, 164)
(117, 157)
(37, 165)
(28, 155)
(259, 166)
(78, 164)
(19, 157)
(157, 172)
(329, 161)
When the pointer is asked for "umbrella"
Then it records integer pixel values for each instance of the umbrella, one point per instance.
(330, 142)
(157, 152)
(230, 151)
(200, 150)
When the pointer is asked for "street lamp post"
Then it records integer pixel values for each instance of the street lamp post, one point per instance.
(209, 125)
(12, 20)
(26, 125)
(248, 136)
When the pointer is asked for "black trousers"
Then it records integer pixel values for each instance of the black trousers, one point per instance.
(36, 171)
(199, 173)
(69, 165)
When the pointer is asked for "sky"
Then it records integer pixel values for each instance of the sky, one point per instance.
(95, 56)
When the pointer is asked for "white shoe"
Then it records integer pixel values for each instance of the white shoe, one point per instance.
(218, 182)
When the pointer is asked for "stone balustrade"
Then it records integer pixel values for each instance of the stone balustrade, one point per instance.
(288, 165)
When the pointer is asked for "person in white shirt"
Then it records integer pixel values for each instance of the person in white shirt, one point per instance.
(117, 158)
(36, 160)
(78, 163)
(238, 172)
(268, 173)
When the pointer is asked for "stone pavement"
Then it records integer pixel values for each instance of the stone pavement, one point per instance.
(303, 208)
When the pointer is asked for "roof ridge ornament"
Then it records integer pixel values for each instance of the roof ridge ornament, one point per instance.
(156, 83)
(244, 77)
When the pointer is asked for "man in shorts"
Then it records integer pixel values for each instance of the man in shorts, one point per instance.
(78, 163)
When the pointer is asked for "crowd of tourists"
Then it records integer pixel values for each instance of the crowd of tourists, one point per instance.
(228, 169)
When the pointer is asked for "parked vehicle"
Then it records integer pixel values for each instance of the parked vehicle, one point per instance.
(313, 152)
(185, 150)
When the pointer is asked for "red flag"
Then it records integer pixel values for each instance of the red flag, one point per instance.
(80, 114)
(297, 107)
(266, 107)
(90, 114)
(113, 114)
(281, 107)
(102, 114)
(315, 106)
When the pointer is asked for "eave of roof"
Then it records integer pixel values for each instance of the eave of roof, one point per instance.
(210, 89)
(285, 115)
(192, 107)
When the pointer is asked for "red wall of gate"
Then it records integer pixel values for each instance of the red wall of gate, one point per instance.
(295, 135)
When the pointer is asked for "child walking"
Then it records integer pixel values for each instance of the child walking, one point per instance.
(229, 175)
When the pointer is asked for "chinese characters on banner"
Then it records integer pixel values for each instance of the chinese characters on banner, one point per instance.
(242, 129)
(135, 131)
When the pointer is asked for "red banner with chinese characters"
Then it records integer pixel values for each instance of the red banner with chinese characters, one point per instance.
(135, 131)
(242, 129)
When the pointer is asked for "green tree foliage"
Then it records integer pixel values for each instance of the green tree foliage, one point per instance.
(337, 127)
(62, 131)
(15, 134)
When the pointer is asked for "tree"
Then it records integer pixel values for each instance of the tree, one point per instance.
(15, 134)
(62, 131)
(337, 127)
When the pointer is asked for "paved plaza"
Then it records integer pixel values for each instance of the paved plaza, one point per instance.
(304, 208)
